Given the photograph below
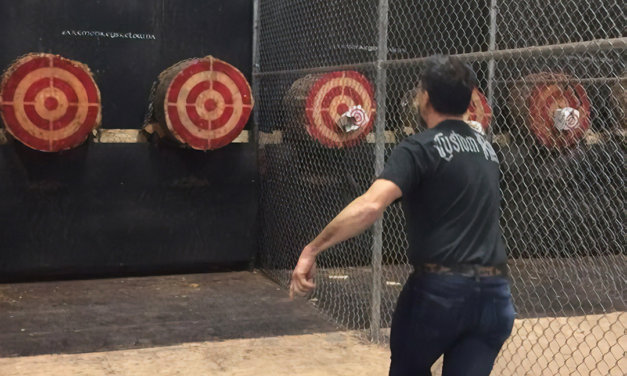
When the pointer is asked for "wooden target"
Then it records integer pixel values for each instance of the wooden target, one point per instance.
(619, 101)
(554, 107)
(49, 103)
(204, 103)
(339, 107)
(479, 110)
(478, 115)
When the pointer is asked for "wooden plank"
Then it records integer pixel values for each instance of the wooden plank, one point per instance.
(273, 138)
(390, 138)
(119, 136)
(131, 136)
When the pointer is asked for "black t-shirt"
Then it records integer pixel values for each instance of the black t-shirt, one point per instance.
(449, 176)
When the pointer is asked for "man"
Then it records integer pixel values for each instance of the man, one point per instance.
(457, 301)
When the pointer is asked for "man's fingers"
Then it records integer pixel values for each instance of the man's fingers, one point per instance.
(308, 284)
(300, 285)
(312, 272)
(303, 275)
(295, 291)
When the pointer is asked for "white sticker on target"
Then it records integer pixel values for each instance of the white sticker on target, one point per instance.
(476, 126)
(566, 119)
(353, 119)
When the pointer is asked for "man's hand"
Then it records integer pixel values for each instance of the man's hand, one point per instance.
(353, 220)
(303, 275)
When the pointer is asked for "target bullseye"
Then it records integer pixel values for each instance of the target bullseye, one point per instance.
(210, 105)
(49, 103)
(342, 109)
(204, 103)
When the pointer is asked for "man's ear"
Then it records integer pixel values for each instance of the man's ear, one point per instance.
(424, 99)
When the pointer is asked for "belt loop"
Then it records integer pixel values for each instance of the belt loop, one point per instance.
(477, 274)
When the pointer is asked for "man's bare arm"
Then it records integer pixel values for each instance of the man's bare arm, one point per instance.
(358, 216)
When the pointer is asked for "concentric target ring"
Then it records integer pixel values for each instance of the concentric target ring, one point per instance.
(207, 104)
(334, 95)
(552, 93)
(49, 103)
(479, 110)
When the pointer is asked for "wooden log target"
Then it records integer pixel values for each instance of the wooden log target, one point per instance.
(619, 101)
(555, 109)
(479, 110)
(478, 115)
(49, 103)
(337, 108)
(410, 114)
(204, 103)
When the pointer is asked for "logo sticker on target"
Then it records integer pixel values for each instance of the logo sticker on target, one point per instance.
(49, 103)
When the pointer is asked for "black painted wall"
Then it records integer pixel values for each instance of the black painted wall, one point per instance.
(109, 209)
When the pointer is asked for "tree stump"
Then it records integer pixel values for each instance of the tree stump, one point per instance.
(554, 108)
(619, 101)
(203, 103)
(478, 115)
(336, 109)
(49, 103)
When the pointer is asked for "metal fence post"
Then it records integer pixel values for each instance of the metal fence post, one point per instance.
(492, 47)
(254, 134)
(491, 62)
(256, 67)
(380, 96)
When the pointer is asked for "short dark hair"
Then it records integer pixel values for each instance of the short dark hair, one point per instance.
(449, 82)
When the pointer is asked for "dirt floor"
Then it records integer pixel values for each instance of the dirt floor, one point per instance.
(527, 353)
(332, 354)
(125, 313)
(243, 324)
(561, 346)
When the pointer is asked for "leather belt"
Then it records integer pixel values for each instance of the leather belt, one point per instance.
(466, 270)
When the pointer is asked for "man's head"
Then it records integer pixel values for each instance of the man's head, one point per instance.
(445, 88)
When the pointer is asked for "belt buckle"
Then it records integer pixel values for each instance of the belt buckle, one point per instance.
(431, 268)
(485, 271)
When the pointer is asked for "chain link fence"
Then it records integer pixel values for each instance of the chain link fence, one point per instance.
(553, 73)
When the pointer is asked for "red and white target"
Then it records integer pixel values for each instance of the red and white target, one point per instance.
(334, 98)
(49, 103)
(207, 104)
(479, 110)
(559, 110)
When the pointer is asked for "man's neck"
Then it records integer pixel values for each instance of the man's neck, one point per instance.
(437, 118)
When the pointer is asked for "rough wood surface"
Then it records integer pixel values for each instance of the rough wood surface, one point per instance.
(49, 103)
(532, 102)
(203, 103)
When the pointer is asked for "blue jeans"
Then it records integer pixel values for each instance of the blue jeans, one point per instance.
(465, 319)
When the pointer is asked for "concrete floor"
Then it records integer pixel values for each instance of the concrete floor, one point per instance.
(128, 313)
(322, 354)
